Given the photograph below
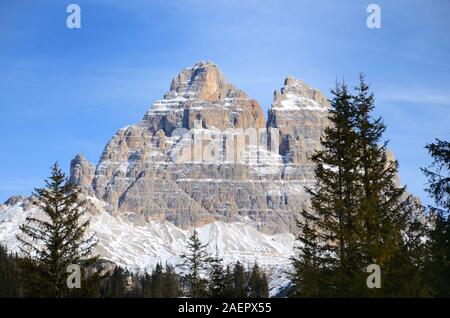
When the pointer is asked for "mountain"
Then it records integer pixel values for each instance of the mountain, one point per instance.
(149, 171)
(203, 156)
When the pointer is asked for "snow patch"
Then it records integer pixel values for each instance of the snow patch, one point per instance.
(140, 247)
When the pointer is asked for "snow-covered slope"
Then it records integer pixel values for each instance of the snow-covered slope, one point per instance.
(140, 247)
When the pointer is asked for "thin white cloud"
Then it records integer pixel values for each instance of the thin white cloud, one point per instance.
(416, 96)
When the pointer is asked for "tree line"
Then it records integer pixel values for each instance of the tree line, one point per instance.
(164, 282)
(235, 281)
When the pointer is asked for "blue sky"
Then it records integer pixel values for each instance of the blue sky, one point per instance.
(64, 91)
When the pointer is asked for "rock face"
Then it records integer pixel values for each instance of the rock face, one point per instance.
(14, 199)
(202, 93)
(82, 173)
(151, 171)
(298, 114)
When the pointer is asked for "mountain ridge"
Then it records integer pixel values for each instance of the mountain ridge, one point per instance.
(151, 155)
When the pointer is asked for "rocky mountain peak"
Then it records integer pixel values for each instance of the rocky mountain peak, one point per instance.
(82, 172)
(299, 112)
(202, 94)
(15, 199)
(204, 81)
(297, 94)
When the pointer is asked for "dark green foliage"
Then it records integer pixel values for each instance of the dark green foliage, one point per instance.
(438, 175)
(308, 277)
(9, 278)
(390, 228)
(172, 288)
(165, 283)
(437, 272)
(263, 287)
(217, 279)
(359, 214)
(235, 281)
(240, 281)
(114, 286)
(257, 283)
(157, 282)
(161, 283)
(229, 283)
(194, 263)
(51, 243)
(327, 254)
(253, 282)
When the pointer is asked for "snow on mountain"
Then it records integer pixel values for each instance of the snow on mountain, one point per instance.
(149, 189)
(140, 247)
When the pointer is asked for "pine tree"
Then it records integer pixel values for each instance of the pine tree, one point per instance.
(254, 282)
(9, 278)
(359, 214)
(133, 288)
(216, 285)
(157, 282)
(4, 272)
(229, 291)
(162, 283)
(51, 243)
(239, 281)
(264, 286)
(146, 283)
(437, 270)
(325, 263)
(308, 279)
(194, 263)
(114, 285)
(171, 283)
(438, 175)
(389, 230)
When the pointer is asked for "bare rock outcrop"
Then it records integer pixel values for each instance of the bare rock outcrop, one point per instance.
(201, 93)
(149, 171)
(299, 112)
(14, 200)
(82, 173)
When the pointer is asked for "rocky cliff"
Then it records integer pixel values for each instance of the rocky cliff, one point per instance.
(204, 153)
